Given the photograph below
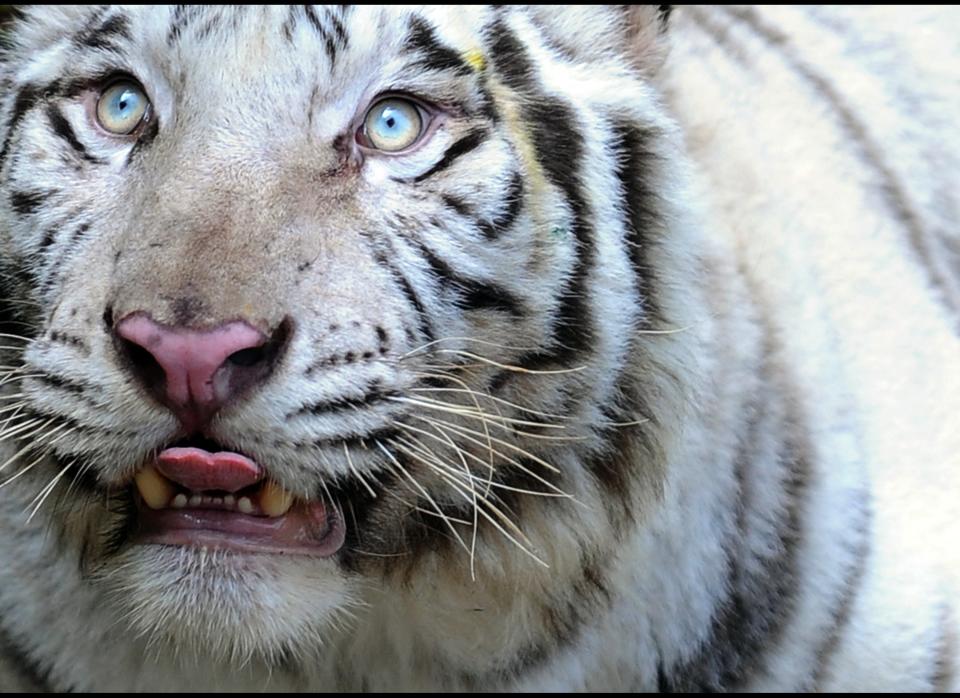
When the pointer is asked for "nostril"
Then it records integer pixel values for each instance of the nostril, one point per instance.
(248, 357)
(143, 363)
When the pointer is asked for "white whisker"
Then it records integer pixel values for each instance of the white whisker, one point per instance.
(508, 367)
(356, 473)
(422, 491)
(424, 347)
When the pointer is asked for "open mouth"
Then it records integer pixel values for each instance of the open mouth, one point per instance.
(195, 494)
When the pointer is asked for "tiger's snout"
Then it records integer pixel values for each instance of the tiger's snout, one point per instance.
(195, 371)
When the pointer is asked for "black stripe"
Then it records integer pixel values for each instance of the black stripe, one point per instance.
(373, 395)
(49, 236)
(560, 151)
(27, 97)
(437, 56)
(385, 261)
(62, 383)
(102, 36)
(213, 23)
(27, 202)
(78, 234)
(461, 147)
(83, 475)
(63, 129)
(563, 618)
(56, 267)
(456, 204)
(472, 294)
(183, 16)
(504, 220)
(68, 340)
(360, 511)
(763, 580)
(338, 28)
(513, 64)
(637, 165)
(311, 15)
(329, 43)
(33, 673)
(663, 12)
(15, 284)
(487, 105)
(853, 580)
(289, 24)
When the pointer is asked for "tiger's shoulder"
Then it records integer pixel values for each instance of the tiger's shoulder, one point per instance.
(825, 151)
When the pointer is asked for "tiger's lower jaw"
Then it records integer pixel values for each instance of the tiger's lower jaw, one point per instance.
(224, 605)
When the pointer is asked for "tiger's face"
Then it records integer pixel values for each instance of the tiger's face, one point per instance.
(318, 301)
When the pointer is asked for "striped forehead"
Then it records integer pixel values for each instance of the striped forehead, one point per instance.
(332, 52)
(209, 38)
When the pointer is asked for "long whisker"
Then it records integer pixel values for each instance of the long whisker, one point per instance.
(45, 492)
(466, 411)
(487, 396)
(493, 484)
(356, 473)
(557, 492)
(492, 515)
(466, 468)
(422, 491)
(13, 377)
(509, 367)
(36, 425)
(24, 470)
(435, 342)
(43, 441)
(464, 431)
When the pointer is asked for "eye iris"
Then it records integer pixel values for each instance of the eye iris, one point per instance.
(393, 125)
(121, 108)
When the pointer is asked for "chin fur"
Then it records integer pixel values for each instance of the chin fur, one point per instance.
(228, 606)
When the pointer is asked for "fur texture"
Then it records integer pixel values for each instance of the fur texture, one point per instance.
(641, 371)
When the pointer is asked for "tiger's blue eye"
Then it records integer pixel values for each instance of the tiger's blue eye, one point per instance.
(122, 107)
(392, 124)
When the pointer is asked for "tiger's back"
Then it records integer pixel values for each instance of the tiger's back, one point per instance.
(637, 369)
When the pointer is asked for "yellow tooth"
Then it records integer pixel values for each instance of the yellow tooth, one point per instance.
(155, 489)
(274, 500)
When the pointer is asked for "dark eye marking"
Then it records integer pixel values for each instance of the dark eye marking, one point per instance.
(436, 55)
(463, 146)
(103, 35)
(62, 127)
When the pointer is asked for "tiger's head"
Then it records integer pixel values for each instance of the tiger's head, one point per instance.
(319, 313)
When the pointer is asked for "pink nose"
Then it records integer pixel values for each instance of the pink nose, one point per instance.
(201, 369)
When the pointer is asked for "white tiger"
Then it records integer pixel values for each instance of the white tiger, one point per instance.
(467, 348)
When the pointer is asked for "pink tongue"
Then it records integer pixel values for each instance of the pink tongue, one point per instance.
(199, 470)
